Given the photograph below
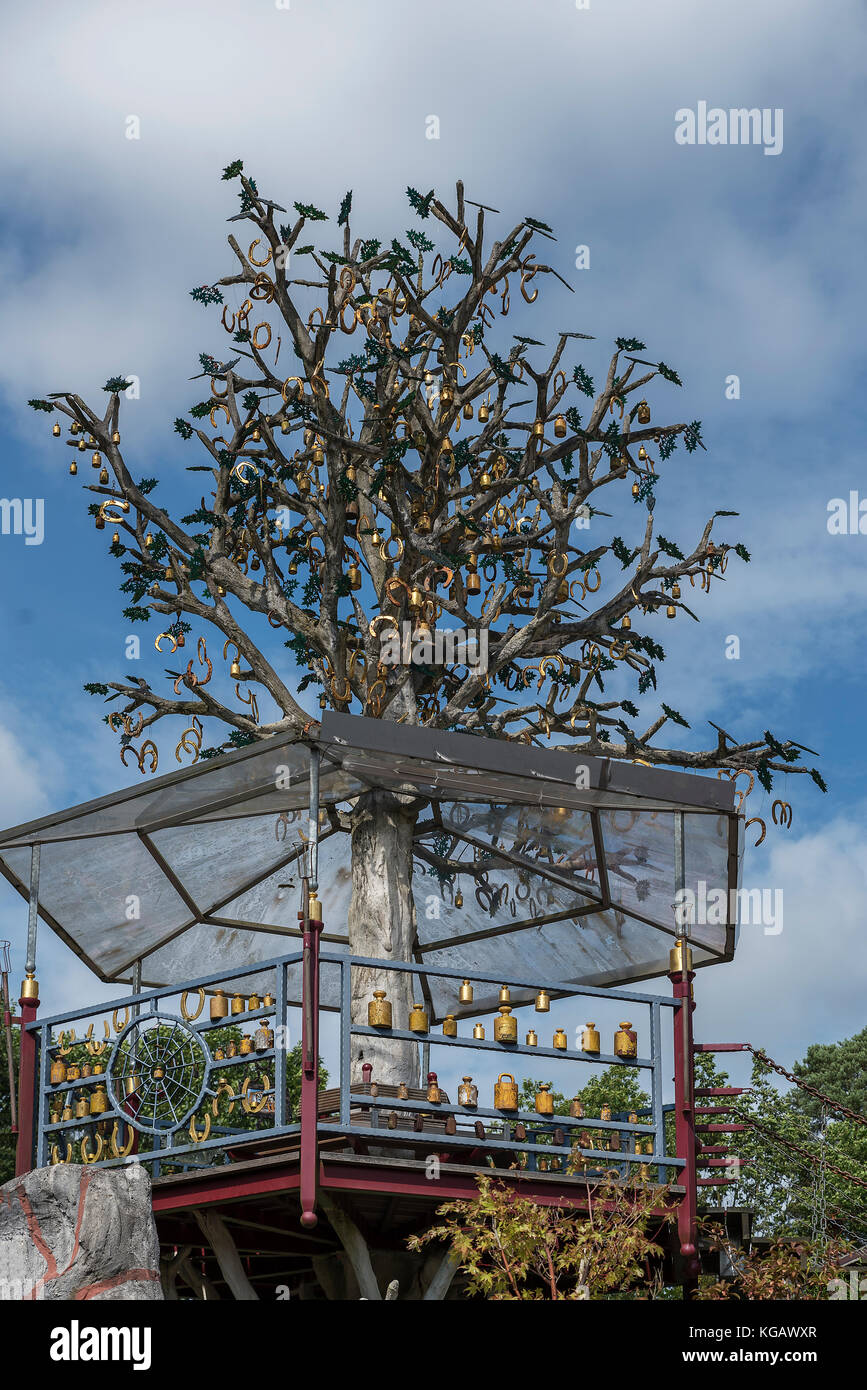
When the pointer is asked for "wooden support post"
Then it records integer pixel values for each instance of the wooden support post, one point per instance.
(442, 1279)
(202, 1287)
(223, 1246)
(355, 1246)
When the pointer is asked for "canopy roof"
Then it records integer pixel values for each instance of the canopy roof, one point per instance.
(571, 864)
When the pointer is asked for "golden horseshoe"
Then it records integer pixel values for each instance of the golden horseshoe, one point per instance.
(223, 1088)
(527, 273)
(194, 1133)
(553, 560)
(85, 1149)
(260, 347)
(239, 470)
(229, 327)
(263, 288)
(558, 389)
(757, 820)
(185, 1013)
(220, 405)
(55, 1154)
(60, 1045)
(592, 588)
(252, 259)
(171, 637)
(785, 813)
(116, 1151)
(119, 1027)
(285, 385)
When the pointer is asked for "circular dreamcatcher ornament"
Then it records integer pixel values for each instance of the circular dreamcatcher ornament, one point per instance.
(158, 1073)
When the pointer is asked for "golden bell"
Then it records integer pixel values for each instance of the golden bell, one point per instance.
(98, 1100)
(643, 413)
(447, 395)
(424, 523)
(219, 1005)
(560, 427)
(459, 898)
(73, 468)
(626, 1041)
(576, 1109)
(627, 623)
(675, 590)
(58, 1072)
(238, 1005)
(468, 411)
(284, 426)
(418, 1021)
(532, 1038)
(235, 669)
(353, 574)
(544, 1099)
(543, 1002)
(246, 1045)
(465, 993)
(505, 1092)
(95, 461)
(55, 429)
(505, 1027)
(484, 414)
(379, 1010)
(642, 454)
(474, 583)
(485, 479)
(450, 1026)
(103, 476)
(670, 611)
(560, 1039)
(479, 1031)
(635, 489)
(115, 438)
(81, 446)
(538, 429)
(590, 1041)
(505, 996)
(468, 1094)
(675, 959)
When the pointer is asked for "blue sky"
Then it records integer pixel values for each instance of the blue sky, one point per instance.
(722, 259)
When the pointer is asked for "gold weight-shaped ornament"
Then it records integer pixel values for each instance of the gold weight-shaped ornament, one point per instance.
(252, 1107)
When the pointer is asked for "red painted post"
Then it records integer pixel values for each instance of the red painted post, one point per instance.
(684, 1111)
(311, 928)
(29, 1003)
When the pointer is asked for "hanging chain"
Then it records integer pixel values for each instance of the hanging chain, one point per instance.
(796, 1149)
(811, 1090)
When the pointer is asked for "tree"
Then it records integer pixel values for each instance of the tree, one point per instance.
(512, 1248)
(354, 569)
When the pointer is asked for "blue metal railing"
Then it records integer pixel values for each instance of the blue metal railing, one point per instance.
(359, 1111)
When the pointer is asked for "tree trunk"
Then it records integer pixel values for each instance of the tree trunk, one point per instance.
(382, 924)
